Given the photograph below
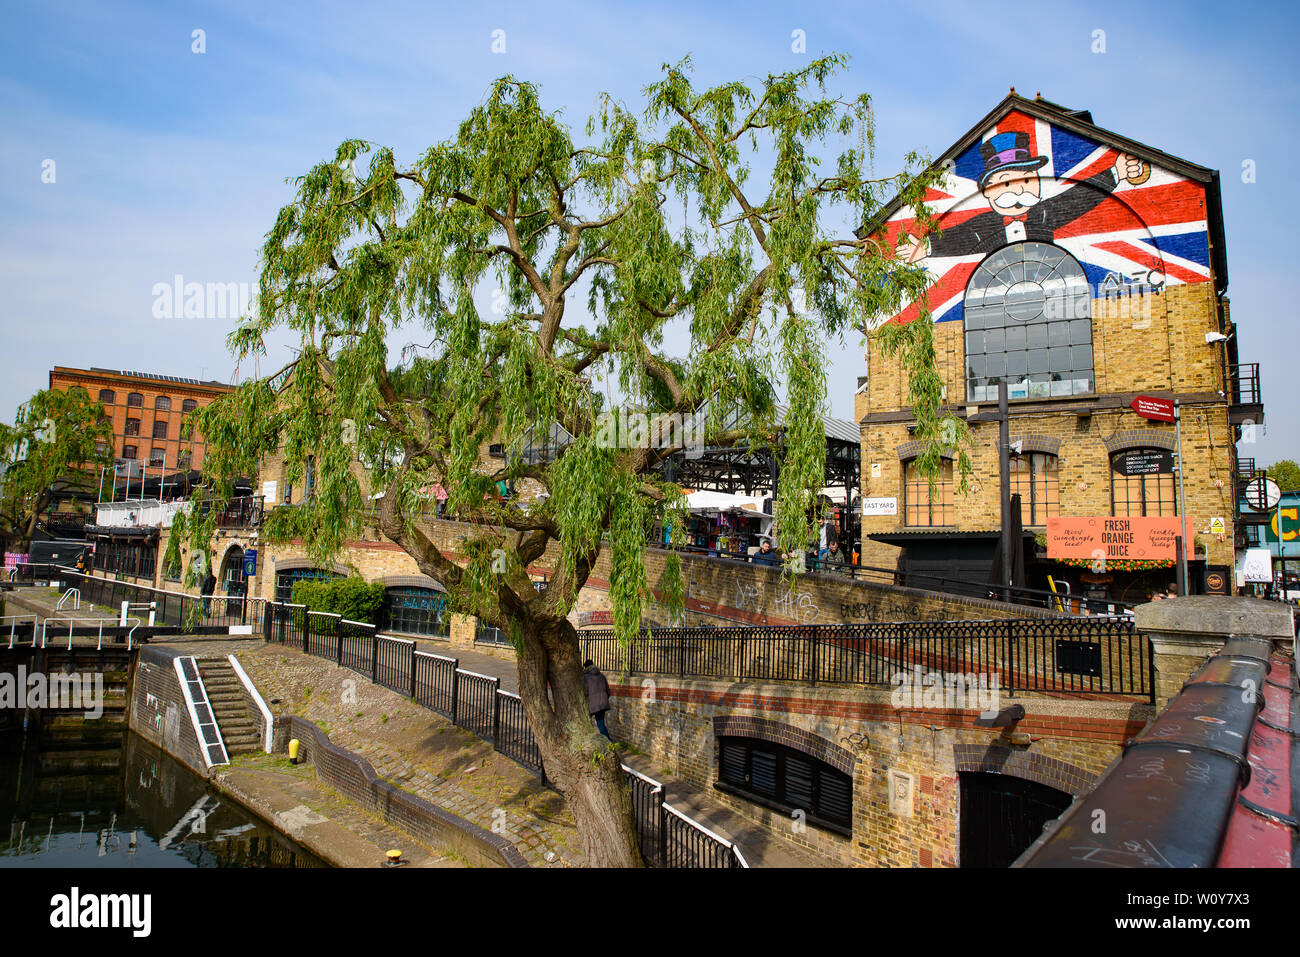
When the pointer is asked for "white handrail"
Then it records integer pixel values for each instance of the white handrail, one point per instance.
(730, 845)
(475, 674)
(97, 622)
(257, 700)
(430, 654)
(700, 827)
(13, 626)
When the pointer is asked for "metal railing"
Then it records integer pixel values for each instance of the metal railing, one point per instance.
(473, 701)
(25, 573)
(1100, 656)
(488, 635)
(19, 627)
(1244, 379)
(669, 838)
(1014, 594)
(242, 512)
(176, 608)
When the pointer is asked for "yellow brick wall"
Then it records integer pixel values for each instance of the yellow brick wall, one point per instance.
(1150, 344)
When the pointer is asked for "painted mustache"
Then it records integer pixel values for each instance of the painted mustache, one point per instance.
(1010, 200)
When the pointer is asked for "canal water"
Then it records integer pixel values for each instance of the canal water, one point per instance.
(122, 802)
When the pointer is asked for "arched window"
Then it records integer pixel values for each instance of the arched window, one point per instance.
(162, 404)
(1035, 478)
(189, 405)
(107, 396)
(786, 779)
(416, 611)
(919, 506)
(1028, 321)
(1142, 482)
(135, 399)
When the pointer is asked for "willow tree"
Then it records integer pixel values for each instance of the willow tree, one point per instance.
(719, 217)
(58, 436)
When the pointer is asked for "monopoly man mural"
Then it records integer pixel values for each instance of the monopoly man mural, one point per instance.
(1034, 212)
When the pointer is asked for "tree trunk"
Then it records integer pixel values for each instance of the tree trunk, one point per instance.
(581, 762)
(30, 532)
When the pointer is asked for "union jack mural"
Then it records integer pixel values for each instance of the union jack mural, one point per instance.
(1129, 224)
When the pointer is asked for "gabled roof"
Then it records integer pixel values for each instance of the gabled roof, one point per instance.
(1080, 122)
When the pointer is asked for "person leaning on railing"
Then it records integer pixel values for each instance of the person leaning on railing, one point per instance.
(832, 560)
(766, 554)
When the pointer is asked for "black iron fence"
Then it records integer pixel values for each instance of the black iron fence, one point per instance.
(671, 839)
(477, 703)
(187, 612)
(1103, 656)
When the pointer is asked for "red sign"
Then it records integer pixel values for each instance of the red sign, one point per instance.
(1149, 407)
(1104, 537)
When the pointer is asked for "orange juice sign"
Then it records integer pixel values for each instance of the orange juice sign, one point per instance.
(1132, 538)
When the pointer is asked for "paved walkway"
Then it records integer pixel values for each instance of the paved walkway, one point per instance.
(318, 817)
(420, 752)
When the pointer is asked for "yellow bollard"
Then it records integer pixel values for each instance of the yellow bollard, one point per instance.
(394, 857)
(294, 744)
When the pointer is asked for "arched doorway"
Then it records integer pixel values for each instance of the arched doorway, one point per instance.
(1001, 815)
(231, 579)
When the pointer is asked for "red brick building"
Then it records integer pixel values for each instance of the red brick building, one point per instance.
(146, 411)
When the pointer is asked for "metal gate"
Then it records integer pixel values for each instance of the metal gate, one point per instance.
(1002, 815)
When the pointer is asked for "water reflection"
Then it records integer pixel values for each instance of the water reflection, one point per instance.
(122, 803)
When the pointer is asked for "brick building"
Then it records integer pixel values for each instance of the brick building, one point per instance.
(1082, 269)
(146, 411)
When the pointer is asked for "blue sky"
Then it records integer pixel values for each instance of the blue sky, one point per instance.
(170, 162)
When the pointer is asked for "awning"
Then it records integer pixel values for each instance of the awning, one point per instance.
(724, 502)
(124, 532)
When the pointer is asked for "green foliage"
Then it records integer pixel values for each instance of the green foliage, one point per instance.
(172, 557)
(944, 434)
(757, 272)
(57, 436)
(1286, 473)
(352, 598)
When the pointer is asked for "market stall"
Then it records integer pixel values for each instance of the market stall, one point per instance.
(725, 525)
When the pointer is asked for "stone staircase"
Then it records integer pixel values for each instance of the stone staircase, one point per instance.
(230, 706)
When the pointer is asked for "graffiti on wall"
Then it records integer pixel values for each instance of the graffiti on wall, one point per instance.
(1126, 222)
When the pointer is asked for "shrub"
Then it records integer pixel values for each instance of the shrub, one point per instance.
(351, 598)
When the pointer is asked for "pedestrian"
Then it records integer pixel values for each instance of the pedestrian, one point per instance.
(597, 695)
(832, 559)
(1172, 590)
(766, 555)
(206, 590)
